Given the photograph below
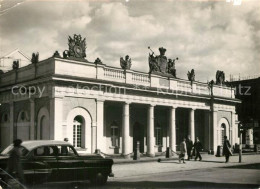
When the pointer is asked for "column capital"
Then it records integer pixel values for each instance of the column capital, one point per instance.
(99, 100)
(128, 102)
(152, 105)
(173, 107)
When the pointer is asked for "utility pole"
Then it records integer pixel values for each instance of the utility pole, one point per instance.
(240, 142)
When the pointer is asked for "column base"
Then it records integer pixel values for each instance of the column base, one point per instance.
(150, 155)
(128, 156)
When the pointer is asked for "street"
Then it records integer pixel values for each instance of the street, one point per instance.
(211, 172)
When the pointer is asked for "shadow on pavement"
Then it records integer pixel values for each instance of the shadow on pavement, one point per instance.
(247, 166)
(149, 184)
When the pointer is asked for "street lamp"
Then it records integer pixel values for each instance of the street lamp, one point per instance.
(240, 141)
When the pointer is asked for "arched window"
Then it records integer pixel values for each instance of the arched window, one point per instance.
(114, 134)
(77, 131)
(23, 116)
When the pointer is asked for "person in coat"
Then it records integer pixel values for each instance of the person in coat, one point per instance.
(14, 165)
(226, 149)
(197, 147)
(183, 150)
(189, 144)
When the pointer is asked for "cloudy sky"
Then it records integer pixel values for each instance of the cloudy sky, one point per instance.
(205, 35)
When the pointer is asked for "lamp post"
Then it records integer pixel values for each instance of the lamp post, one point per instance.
(240, 142)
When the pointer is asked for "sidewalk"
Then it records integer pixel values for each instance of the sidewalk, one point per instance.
(128, 168)
(163, 158)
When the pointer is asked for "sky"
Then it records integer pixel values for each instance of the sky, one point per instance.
(205, 35)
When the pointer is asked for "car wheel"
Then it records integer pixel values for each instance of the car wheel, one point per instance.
(99, 179)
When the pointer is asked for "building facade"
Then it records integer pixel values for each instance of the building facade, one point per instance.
(97, 106)
(248, 91)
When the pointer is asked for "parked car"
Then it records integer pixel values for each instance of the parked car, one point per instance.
(52, 161)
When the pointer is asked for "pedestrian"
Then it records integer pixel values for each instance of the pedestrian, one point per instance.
(197, 147)
(189, 144)
(14, 165)
(226, 149)
(183, 150)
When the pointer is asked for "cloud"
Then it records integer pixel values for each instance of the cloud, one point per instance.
(206, 36)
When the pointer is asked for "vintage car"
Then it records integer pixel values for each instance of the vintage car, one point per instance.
(52, 161)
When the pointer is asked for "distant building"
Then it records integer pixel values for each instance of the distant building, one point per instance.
(6, 61)
(248, 91)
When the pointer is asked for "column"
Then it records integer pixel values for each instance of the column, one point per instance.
(192, 125)
(32, 118)
(150, 132)
(214, 127)
(11, 131)
(56, 110)
(100, 136)
(126, 131)
(232, 128)
(172, 129)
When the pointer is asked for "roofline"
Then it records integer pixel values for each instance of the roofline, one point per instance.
(14, 51)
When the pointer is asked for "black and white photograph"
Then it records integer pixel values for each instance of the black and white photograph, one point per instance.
(129, 94)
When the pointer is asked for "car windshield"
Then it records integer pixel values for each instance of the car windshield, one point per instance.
(7, 151)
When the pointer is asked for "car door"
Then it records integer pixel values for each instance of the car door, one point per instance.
(69, 165)
(45, 163)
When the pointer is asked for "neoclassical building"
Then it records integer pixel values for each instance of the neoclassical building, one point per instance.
(97, 106)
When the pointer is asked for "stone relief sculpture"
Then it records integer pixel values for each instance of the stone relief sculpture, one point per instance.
(15, 64)
(125, 63)
(191, 75)
(161, 65)
(220, 77)
(35, 58)
(77, 47)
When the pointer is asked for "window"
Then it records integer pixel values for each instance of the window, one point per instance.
(114, 136)
(66, 151)
(77, 132)
(158, 136)
(45, 151)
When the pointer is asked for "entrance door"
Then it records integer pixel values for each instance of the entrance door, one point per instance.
(223, 132)
(138, 135)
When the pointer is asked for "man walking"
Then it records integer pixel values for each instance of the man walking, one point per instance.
(189, 144)
(197, 148)
(14, 165)
(183, 150)
(226, 149)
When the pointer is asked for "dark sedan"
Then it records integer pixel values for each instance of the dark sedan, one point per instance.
(52, 161)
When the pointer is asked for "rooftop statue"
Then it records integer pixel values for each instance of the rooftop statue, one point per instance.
(98, 61)
(56, 54)
(77, 47)
(171, 67)
(191, 75)
(161, 65)
(35, 58)
(220, 77)
(15, 64)
(127, 63)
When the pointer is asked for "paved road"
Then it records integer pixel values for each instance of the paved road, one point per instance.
(210, 173)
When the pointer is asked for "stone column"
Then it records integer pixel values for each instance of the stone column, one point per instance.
(150, 132)
(232, 128)
(172, 129)
(11, 131)
(100, 136)
(126, 131)
(56, 110)
(214, 127)
(192, 125)
(32, 118)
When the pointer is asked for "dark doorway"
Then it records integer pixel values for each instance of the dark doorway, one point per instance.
(138, 135)
(182, 125)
